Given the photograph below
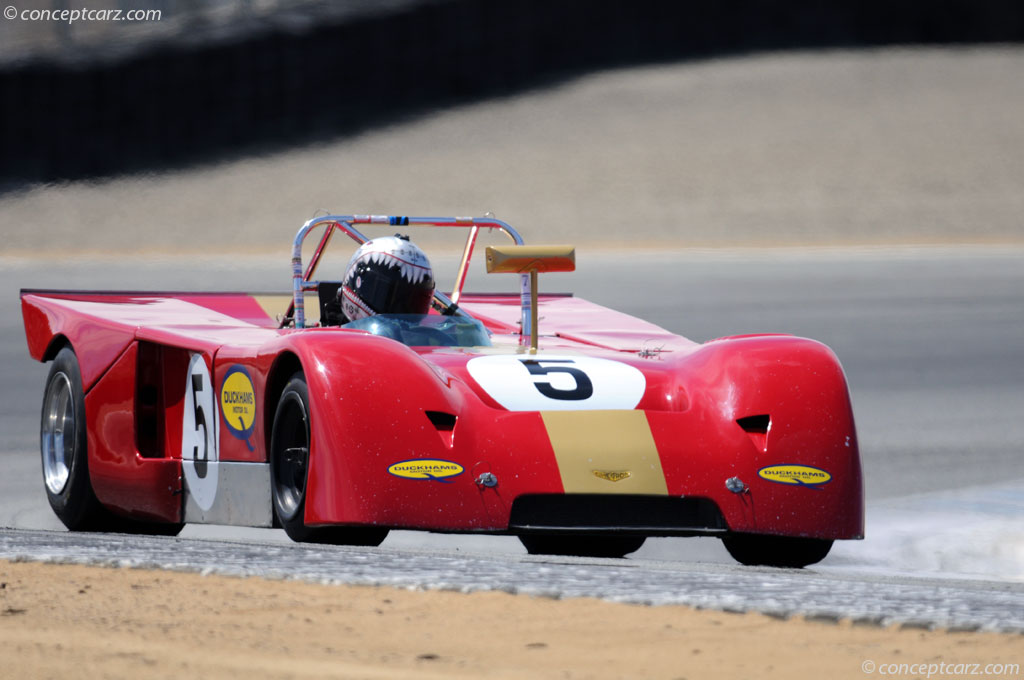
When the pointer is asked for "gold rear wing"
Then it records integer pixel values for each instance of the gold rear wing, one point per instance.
(531, 260)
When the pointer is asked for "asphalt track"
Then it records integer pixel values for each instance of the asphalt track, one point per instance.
(931, 340)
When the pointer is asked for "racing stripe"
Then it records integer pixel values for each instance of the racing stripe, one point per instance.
(605, 452)
(275, 305)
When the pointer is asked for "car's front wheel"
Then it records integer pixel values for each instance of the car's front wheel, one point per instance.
(776, 551)
(289, 473)
(581, 546)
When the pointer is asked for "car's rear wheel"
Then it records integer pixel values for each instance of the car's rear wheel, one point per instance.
(776, 551)
(289, 471)
(581, 546)
(63, 446)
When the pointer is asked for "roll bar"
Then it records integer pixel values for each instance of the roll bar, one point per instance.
(302, 278)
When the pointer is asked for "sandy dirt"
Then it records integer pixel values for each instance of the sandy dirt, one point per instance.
(886, 146)
(92, 622)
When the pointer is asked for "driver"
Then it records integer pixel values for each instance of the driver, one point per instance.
(388, 275)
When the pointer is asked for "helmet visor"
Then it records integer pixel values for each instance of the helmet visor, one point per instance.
(386, 291)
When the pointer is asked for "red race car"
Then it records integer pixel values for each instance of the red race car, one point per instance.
(350, 407)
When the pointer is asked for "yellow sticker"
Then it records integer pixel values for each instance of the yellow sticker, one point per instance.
(238, 402)
(426, 468)
(799, 475)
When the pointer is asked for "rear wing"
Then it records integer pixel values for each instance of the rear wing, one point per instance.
(302, 277)
(530, 260)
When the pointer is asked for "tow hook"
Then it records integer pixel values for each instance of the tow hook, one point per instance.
(487, 479)
(736, 485)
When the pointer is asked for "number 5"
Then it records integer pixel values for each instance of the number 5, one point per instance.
(201, 463)
(584, 389)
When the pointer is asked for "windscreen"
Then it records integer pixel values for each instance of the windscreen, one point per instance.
(424, 330)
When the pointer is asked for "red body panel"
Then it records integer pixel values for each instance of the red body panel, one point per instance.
(800, 384)
(148, 488)
(370, 398)
(82, 324)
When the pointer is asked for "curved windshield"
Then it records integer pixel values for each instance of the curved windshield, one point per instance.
(418, 330)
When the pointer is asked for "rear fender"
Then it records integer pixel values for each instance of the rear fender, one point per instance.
(123, 479)
(97, 343)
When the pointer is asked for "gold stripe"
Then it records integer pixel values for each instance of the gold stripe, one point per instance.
(588, 443)
(276, 305)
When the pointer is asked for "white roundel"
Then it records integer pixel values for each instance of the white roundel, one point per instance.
(199, 435)
(542, 382)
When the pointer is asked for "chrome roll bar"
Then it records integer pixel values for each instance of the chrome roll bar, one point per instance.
(302, 278)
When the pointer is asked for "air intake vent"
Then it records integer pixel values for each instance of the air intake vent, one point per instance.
(649, 515)
(757, 428)
(442, 420)
(444, 423)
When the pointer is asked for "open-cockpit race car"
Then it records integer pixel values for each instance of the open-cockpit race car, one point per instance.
(578, 437)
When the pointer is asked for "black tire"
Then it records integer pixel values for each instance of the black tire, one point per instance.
(289, 472)
(776, 551)
(63, 447)
(581, 546)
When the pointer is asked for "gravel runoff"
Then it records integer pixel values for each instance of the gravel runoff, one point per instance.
(833, 147)
(826, 595)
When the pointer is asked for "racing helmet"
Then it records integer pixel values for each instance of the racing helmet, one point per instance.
(387, 275)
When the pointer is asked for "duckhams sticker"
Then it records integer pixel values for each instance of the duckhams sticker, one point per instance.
(799, 475)
(238, 403)
(426, 468)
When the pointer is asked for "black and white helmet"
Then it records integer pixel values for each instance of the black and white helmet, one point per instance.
(388, 275)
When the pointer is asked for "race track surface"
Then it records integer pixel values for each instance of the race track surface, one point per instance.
(950, 604)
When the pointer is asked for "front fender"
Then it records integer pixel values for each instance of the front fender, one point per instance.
(768, 402)
(368, 402)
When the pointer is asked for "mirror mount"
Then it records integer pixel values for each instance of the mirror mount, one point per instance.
(530, 260)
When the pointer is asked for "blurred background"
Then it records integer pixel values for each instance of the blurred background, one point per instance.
(190, 124)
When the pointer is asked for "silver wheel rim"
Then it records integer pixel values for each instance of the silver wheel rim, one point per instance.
(58, 433)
